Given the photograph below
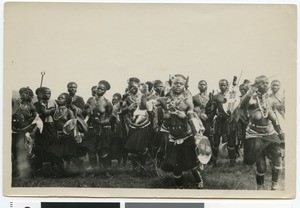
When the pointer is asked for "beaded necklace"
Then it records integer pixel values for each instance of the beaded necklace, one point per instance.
(262, 104)
(24, 106)
(175, 101)
(60, 112)
(98, 100)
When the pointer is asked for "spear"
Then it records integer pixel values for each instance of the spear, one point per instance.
(42, 73)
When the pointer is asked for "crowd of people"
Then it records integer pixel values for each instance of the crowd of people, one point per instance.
(156, 118)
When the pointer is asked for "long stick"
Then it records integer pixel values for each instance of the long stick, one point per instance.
(42, 73)
(240, 77)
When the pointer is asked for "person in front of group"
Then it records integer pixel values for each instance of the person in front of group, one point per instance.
(99, 132)
(183, 127)
(264, 137)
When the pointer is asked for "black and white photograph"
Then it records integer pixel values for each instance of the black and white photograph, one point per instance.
(150, 100)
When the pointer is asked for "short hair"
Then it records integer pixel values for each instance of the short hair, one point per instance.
(202, 81)
(68, 98)
(150, 85)
(41, 90)
(246, 86)
(224, 80)
(246, 81)
(26, 90)
(94, 87)
(118, 95)
(70, 83)
(157, 82)
(275, 81)
(259, 80)
(134, 79)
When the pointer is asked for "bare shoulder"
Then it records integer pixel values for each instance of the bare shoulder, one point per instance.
(70, 112)
(188, 97)
(195, 97)
(219, 98)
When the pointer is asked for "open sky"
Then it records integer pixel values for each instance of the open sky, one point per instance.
(86, 43)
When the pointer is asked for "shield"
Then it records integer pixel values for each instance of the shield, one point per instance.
(82, 125)
(223, 151)
(69, 126)
(203, 149)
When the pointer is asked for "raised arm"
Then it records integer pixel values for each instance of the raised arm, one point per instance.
(43, 110)
(245, 100)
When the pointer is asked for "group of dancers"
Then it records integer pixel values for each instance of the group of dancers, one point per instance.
(159, 119)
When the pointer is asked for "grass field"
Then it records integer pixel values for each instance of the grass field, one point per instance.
(239, 177)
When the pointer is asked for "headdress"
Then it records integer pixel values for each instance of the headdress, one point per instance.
(105, 83)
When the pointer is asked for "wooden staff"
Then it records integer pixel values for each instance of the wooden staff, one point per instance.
(42, 73)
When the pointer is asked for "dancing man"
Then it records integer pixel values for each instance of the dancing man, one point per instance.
(183, 127)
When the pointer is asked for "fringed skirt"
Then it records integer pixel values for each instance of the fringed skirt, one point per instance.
(138, 138)
(180, 157)
(256, 144)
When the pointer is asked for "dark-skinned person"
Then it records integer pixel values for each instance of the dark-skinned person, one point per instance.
(24, 126)
(139, 126)
(277, 100)
(184, 127)
(99, 133)
(242, 118)
(77, 104)
(200, 101)
(45, 108)
(220, 122)
(94, 93)
(117, 142)
(64, 148)
(161, 136)
(264, 137)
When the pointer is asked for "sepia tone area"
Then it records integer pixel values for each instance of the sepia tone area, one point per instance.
(123, 48)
